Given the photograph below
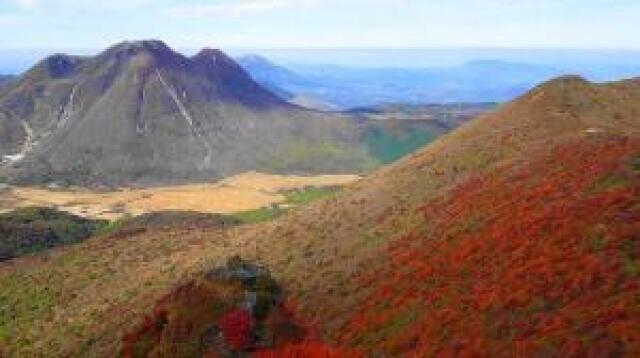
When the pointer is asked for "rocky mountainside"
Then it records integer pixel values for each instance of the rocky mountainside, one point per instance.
(140, 112)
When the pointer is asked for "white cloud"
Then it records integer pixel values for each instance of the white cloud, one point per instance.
(72, 5)
(235, 8)
(11, 19)
(25, 3)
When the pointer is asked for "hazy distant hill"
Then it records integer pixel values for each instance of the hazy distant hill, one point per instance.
(293, 87)
(140, 112)
(5, 79)
(478, 81)
(270, 74)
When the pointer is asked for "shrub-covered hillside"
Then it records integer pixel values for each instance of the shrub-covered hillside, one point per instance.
(533, 259)
(29, 230)
(515, 235)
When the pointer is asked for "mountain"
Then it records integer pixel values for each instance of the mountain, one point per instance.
(140, 112)
(268, 73)
(299, 90)
(347, 87)
(515, 233)
(5, 79)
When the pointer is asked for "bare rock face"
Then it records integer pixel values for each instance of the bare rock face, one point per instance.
(141, 113)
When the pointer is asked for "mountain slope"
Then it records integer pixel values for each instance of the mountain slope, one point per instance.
(365, 273)
(109, 119)
(269, 74)
(5, 79)
(518, 261)
(294, 88)
(515, 234)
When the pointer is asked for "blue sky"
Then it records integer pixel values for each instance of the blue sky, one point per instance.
(68, 24)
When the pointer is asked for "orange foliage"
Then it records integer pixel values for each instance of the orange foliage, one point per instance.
(535, 258)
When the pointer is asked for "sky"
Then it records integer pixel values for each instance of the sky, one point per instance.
(308, 24)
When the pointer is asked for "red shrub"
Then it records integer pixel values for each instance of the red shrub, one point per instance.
(236, 327)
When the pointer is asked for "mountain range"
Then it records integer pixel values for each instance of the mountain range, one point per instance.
(141, 112)
(515, 234)
(333, 86)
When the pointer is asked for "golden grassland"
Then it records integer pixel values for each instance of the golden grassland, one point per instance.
(243, 192)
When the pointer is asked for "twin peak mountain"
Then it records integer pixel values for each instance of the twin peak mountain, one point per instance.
(140, 112)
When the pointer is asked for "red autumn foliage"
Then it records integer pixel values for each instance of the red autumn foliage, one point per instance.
(307, 345)
(177, 317)
(181, 325)
(236, 326)
(534, 258)
(307, 350)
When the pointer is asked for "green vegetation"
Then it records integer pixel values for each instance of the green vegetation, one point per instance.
(259, 215)
(30, 230)
(321, 156)
(607, 182)
(388, 147)
(113, 226)
(166, 219)
(309, 194)
(631, 263)
(635, 164)
(21, 302)
(597, 241)
(392, 326)
(293, 198)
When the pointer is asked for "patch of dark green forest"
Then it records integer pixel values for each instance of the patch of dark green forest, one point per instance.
(29, 230)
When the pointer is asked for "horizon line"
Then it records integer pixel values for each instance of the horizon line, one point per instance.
(340, 48)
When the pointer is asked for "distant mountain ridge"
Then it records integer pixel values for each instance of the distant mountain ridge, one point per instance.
(5, 79)
(348, 87)
(270, 74)
(141, 112)
(287, 84)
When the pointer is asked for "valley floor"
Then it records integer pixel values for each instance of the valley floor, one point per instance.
(240, 193)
